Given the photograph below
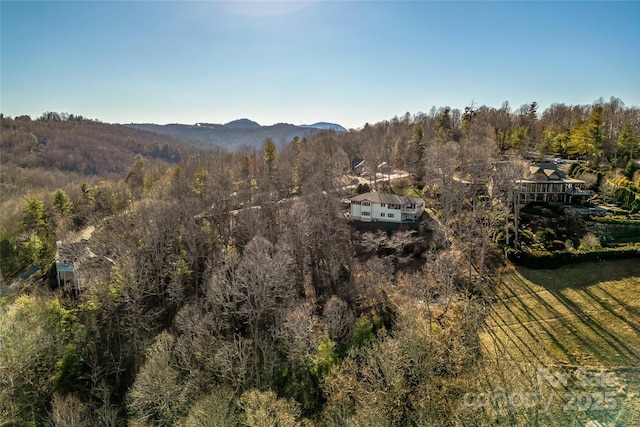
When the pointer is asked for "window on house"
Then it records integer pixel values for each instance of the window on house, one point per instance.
(365, 203)
(382, 214)
(382, 205)
(391, 215)
(366, 213)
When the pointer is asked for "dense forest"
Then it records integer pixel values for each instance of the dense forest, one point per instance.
(227, 288)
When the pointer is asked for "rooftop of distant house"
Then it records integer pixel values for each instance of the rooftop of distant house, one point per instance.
(388, 198)
(548, 172)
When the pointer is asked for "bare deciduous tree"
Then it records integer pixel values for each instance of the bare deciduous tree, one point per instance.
(338, 318)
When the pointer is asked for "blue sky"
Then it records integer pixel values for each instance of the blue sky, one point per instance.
(302, 62)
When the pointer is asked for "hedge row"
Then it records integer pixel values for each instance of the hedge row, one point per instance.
(545, 260)
(621, 220)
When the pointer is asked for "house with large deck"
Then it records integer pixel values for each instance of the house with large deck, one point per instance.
(545, 183)
(386, 207)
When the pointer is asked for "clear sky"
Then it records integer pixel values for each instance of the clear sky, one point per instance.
(348, 62)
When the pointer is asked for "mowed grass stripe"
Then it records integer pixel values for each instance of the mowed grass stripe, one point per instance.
(568, 322)
(579, 317)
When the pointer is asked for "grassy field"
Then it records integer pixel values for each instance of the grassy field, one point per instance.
(568, 342)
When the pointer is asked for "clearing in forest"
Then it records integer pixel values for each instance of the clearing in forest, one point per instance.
(564, 346)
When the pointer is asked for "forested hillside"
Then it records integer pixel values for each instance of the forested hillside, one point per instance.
(228, 287)
(75, 144)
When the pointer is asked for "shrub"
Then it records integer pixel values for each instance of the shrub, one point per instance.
(326, 357)
(568, 245)
(615, 219)
(68, 368)
(363, 331)
(629, 169)
(363, 188)
(264, 408)
(589, 242)
(550, 260)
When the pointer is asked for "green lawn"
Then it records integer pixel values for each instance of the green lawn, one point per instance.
(559, 333)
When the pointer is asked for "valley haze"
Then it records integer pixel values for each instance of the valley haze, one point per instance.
(237, 133)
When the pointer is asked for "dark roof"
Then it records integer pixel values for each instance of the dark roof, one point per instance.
(64, 267)
(545, 172)
(391, 199)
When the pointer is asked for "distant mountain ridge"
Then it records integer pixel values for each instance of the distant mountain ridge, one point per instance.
(326, 126)
(237, 133)
(242, 124)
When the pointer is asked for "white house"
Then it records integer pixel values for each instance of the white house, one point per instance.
(385, 207)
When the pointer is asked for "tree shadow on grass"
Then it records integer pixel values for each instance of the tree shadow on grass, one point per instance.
(574, 286)
(520, 311)
(607, 336)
